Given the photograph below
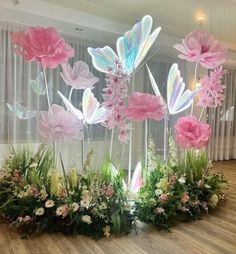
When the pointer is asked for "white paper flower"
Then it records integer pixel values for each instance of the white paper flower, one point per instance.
(182, 180)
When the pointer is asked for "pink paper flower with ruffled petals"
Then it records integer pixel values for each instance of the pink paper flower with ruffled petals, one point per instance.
(58, 124)
(142, 106)
(44, 45)
(191, 133)
(79, 77)
(202, 47)
(211, 93)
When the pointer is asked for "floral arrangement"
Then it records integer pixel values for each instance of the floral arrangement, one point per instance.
(35, 198)
(182, 189)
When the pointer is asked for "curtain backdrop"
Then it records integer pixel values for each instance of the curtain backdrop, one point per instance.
(15, 74)
(223, 122)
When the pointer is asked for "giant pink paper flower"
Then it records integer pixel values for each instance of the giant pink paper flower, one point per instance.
(198, 46)
(211, 93)
(44, 45)
(58, 124)
(79, 77)
(142, 106)
(192, 133)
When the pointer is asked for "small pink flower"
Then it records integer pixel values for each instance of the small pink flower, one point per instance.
(185, 197)
(192, 133)
(79, 77)
(172, 178)
(163, 197)
(211, 91)
(33, 191)
(159, 210)
(198, 46)
(109, 191)
(43, 45)
(58, 124)
(142, 106)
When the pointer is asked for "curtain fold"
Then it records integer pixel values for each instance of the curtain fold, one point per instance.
(223, 122)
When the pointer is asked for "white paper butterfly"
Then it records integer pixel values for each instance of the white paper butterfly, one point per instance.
(91, 112)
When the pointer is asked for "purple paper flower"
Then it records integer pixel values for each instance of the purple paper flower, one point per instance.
(79, 77)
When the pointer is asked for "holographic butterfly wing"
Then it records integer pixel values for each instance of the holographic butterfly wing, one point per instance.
(114, 172)
(91, 111)
(103, 59)
(153, 82)
(147, 41)
(137, 179)
(77, 113)
(128, 47)
(38, 84)
(177, 99)
(21, 112)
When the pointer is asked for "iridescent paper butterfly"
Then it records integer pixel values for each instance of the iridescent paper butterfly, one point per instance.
(177, 99)
(131, 48)
(91, 112)
(21, 112)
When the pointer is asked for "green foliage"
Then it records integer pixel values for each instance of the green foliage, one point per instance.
(179, 189)
(35, 198)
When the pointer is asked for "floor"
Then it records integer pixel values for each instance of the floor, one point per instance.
(215, 233)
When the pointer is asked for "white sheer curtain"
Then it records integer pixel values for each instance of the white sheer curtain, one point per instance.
(223, 122)
(15, 74)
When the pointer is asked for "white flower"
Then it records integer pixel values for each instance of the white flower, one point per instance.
(214, 200)
(87, 219)
(75, 206)
(43, 193)
(158, 192)
(59, 211)
(85, 203)
(207, 186)
(103, 206)
(33, 165)
(182, 180)
(49, 203)
(39, 211)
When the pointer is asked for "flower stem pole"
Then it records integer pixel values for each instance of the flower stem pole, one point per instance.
(200, 117)
(46, 84)
(130, 143)
(166, 135)
(146, 142)
(195, 80)
(111, 142)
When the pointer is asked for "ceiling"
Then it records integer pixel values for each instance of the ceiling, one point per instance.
(177, 17)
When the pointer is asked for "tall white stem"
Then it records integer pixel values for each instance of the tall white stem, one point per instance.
(111, 142)
(46, 84)
(130, 144)
(146, 142)
(195, 81)
(166, 135)
(70, 94)
(200, 117)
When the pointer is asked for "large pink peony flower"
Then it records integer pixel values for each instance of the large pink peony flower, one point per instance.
(202, 47)
(44, 45)
(79, 77)
(58, 124)
(192, 133)
(142, 106)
